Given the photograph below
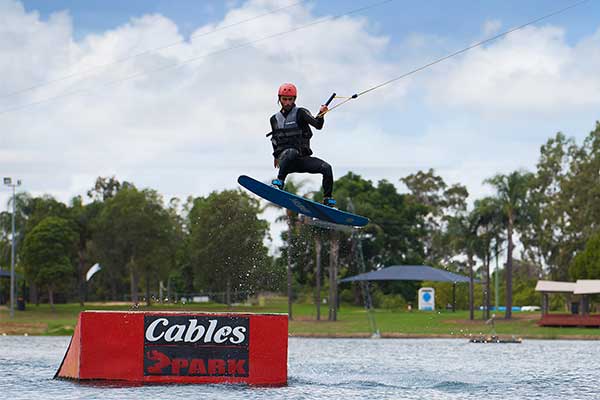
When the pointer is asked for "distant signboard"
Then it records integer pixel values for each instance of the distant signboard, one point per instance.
(427, 299)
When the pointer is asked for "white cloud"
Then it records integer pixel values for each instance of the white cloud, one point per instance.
(531, 70)
(193, 129)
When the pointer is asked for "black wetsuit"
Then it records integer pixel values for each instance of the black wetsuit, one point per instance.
(297, 157)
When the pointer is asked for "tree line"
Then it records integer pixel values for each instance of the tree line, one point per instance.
(541, 224)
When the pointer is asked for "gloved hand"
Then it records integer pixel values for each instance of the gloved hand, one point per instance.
(323, 110)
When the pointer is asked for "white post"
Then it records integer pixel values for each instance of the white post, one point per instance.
(8, 182)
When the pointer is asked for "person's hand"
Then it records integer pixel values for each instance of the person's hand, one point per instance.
(323, 110)
(275, 163)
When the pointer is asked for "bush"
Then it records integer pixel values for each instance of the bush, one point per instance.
(524, 294)
(347, 295)
(387, 301)
(393, 302)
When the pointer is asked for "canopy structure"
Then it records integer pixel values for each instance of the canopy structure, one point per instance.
(409, 273)
(587, 286)
(555, 287)
(582, 286)
(580, 309)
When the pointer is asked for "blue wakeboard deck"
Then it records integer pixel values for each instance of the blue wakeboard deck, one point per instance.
(300, 204)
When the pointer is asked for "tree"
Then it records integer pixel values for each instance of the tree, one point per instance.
(442, 203)
(84, 217)
(512, 195)
(292, 222)
(394, 236)
(565, 207)
(462, 229)
(545, 238)
(226, 238)
(106, 188)
(301, 243)
(134, 237)
(586, 264)
(180, 248)
(579, 198)
(22, 212)
(425, 188)
(48, 254)
(29, 212)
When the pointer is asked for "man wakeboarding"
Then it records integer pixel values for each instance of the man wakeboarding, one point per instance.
(290, 136)
(291, 133)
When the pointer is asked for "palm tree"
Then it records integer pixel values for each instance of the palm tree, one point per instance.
(511, 194)
(486, 213)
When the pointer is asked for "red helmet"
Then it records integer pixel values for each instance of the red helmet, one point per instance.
(288, 89)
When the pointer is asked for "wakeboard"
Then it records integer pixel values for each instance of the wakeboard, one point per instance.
(301, 205)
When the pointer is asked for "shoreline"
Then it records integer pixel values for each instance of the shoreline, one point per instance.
(352, 324)
(357, 335)
(398, 335)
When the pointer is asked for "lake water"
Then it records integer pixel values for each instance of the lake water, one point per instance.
(348, 369)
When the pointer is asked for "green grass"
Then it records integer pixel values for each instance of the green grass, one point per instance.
(352, 321)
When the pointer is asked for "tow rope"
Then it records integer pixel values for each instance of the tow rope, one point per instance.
(356, 95)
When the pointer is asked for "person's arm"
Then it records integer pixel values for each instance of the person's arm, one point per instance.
(307, 118)
(273, 122)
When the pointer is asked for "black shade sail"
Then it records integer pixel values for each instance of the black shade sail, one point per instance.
(409, 273)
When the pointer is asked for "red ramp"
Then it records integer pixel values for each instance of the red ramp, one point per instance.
(178, 347)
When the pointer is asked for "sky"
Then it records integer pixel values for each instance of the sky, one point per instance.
(176, 95)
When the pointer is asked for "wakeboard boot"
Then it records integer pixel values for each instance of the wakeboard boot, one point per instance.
(277, 183)
(329, 201)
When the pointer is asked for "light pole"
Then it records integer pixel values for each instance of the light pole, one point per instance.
(8, 182)
(497, 291)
